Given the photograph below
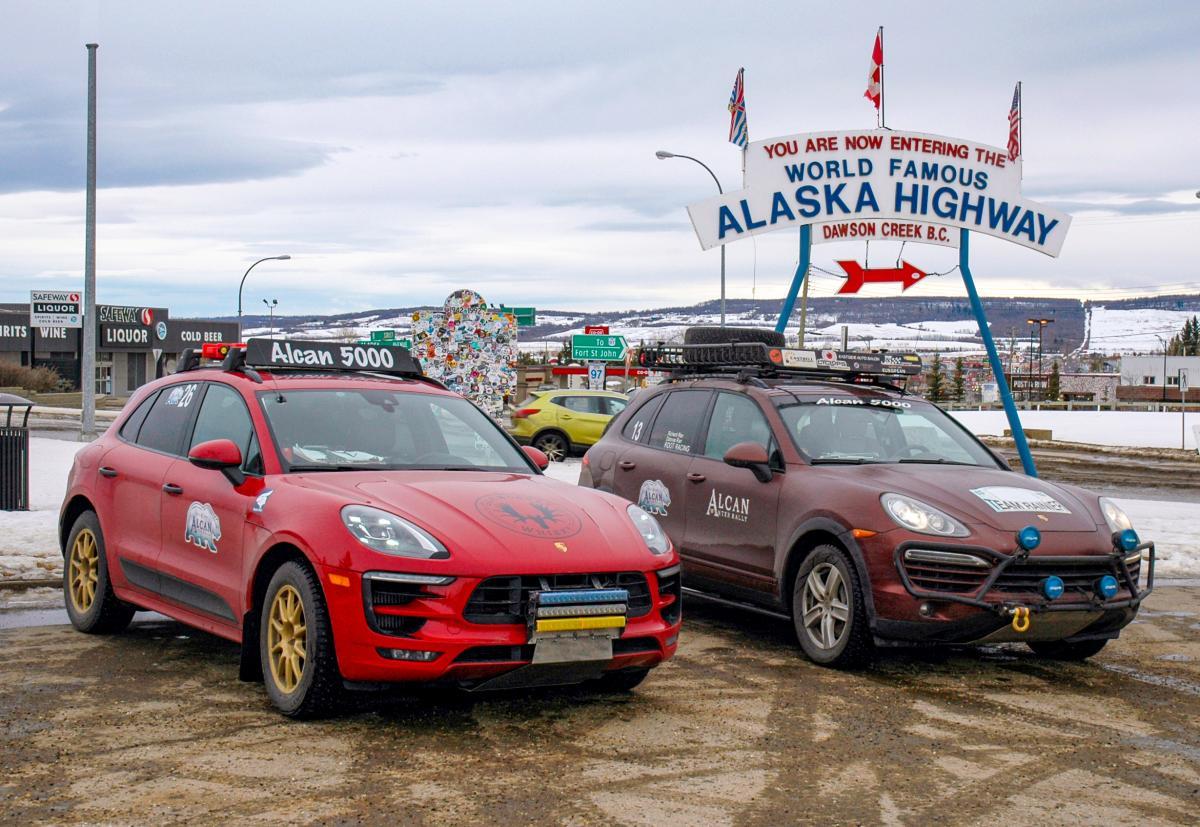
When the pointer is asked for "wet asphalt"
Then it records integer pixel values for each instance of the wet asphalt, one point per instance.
(152, 726)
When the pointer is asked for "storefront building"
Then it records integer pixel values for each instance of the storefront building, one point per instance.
(133, 344)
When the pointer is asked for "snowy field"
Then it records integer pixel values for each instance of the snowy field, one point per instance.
(1134, 331)
(29, 544)
(1133, 429)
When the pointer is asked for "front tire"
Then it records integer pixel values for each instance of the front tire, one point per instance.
(87, 589)
(296, 644)
(1063, 650)
(829, 612)
(554, 445)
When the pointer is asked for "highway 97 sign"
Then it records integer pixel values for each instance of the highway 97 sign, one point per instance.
(55, 308)
(586, 347)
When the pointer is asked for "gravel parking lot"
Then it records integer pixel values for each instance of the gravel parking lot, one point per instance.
(153, 727)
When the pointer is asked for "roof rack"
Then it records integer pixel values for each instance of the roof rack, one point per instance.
(307, 356)
(755, 360)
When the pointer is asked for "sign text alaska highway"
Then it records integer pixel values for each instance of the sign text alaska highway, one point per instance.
(877, 176)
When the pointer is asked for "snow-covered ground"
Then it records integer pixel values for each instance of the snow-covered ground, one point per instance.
(1134, 331)
(29, 539)
(1134, 429)
(29, 544)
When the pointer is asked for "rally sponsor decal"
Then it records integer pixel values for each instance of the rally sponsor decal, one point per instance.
(203, 527)
(181, 396)
(260, 502)
(530, 516)
(1004, 499)
(728, 506)
(654, 498)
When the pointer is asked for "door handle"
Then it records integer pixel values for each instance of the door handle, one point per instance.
(105, 471)
(695, 477)
(627, 464)
(173, 489)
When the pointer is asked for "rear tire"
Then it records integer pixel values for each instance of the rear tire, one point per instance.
(705, 335)
(296, 644)
(622, 680)
(87, 589)
(554, 445)
(1064, 650)
(829, 612)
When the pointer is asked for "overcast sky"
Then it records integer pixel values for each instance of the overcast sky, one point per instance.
(399, 151)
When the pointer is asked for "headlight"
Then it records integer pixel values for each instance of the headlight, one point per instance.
(917, 516)
(1117, 519)
(380, 531)
(656, 539)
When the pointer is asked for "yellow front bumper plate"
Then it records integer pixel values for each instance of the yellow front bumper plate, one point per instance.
(576, 624)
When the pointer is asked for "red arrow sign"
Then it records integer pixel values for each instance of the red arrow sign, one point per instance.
(856, 276)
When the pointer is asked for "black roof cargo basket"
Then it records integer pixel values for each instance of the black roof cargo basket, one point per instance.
(754, 359)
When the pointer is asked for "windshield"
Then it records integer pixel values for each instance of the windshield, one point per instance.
(348, 430)
(852, 430)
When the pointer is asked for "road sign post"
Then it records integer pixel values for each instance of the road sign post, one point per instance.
(596, 371)
(1183, 389)
(586, 347)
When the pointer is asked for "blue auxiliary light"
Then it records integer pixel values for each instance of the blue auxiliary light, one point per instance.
(1053, 587)
(1029, 538)
(1128, 539)
(1106, 586)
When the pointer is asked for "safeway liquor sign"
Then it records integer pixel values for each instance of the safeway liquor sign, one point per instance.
(880, 184)
(55, 308)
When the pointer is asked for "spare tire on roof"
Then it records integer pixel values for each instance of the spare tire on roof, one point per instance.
(708, 335)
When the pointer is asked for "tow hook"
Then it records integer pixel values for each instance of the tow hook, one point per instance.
(1020, 619)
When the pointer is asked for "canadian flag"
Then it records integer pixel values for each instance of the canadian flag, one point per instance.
(874, 91)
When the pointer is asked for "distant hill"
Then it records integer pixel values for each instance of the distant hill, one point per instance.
(904, 322)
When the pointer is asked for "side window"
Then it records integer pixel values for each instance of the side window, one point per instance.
(736, 419)
(165, 423)
(580, 404)
(637, 428)
(677, 427)
(614, 406)
(129, 431)
(223, 415)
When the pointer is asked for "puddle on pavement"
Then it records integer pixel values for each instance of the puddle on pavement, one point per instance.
(1167, 681)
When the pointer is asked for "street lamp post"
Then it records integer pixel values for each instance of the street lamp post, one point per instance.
(271, 305)
(663, 155)
(284, 257)
(1041, 326)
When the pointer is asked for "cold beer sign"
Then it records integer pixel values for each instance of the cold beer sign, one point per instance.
(880, 185)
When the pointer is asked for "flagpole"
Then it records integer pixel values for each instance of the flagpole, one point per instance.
(882, 99)
(1021, 131)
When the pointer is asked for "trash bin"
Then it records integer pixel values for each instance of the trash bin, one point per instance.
(14, 453)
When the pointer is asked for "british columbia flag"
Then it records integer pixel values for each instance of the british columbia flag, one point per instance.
(737, 111)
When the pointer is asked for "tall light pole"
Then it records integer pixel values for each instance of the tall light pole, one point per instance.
(271, 305)
(663, 155)
(284, 257)
(87, 367)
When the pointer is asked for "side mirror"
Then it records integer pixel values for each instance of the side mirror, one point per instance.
(219, 455)
(539, 459)
(753, 456)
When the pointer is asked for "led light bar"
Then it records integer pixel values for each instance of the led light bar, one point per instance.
(561, 598)
(953, 558)
(418, 579)
(579, 624)
(582, 611)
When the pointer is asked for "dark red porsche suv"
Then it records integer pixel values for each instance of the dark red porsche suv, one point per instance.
(809, 484)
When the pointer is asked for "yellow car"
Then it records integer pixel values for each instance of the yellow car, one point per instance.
(564, 421)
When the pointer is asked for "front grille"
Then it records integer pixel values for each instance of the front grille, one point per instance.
(382, 598)
(1018, 578)
(496, 654)
(634, 645)
(505, 599)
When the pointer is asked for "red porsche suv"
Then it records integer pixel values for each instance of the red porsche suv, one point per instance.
(809, 484)
(350, 522)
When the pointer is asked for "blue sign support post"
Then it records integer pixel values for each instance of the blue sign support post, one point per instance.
(801, 274)
(1010, 407)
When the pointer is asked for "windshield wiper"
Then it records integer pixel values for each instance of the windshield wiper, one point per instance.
(938, 461)
(844, 461)
(302, 468)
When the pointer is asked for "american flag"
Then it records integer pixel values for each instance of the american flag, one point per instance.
(737, 111)
(1014, 125)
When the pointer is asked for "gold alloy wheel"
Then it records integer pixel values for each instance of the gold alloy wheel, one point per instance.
(286, 637)
(83, 571)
